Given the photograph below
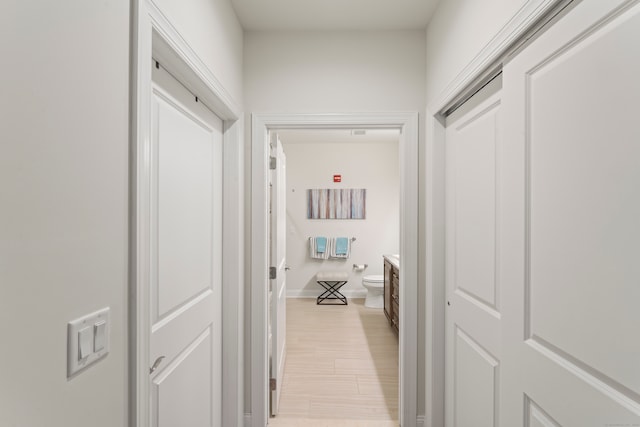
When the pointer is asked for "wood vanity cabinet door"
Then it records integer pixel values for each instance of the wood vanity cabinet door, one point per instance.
(395, 298)
(387, 291)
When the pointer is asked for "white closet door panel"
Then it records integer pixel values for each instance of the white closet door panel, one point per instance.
(473, 292)
(585, 202)
(174, 403)
(571, 222)
(186, 258)
(476, 383)
(537, 417)
(475, 207)
(185, 207)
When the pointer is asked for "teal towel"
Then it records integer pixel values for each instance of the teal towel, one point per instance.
(321, 244)
(342, 245)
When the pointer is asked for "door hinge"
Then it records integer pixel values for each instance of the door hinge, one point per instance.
(273, 384)
(272, 163)
(272, 272)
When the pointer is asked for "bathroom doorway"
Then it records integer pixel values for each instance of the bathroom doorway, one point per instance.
(342, 360)
(406, 201)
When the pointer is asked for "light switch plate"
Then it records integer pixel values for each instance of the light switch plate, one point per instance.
(94, 349)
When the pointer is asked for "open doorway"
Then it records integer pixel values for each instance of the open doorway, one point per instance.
(406, 125)
(342, 359)
(341, 159)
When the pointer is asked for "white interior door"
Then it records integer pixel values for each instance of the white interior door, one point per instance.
(473, 326)
(278, 294)
(186, 239)
(571, 222)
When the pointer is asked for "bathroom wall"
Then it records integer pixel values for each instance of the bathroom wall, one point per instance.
(370, 165)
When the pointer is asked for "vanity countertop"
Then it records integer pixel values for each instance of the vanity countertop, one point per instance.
(393, 259)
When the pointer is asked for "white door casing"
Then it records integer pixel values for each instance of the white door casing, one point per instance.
(570, 222)
(262, 124)
(278, 294)
(153, 35)
(473, 326)
(186, 251)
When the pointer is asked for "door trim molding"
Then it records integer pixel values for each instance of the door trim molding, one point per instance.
(408, 124)
(483, 64)
(154, 36)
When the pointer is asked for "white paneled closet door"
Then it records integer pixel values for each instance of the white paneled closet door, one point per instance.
(570, 268)
(473, 291)
(186, 258)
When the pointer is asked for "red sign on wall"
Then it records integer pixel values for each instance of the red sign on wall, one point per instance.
(337, 178)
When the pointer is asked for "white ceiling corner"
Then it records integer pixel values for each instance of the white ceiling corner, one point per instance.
(334, 15)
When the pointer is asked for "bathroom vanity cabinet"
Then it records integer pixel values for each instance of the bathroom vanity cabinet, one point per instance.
(391, 290)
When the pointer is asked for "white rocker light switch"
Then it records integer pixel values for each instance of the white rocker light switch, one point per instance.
(85, 338)
(99, 335)
(87, 341)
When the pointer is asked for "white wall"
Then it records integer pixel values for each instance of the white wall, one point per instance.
(63, 216)
(457, 32)
(64, 146)
(334, 71)
(212, 29)
(373, 166)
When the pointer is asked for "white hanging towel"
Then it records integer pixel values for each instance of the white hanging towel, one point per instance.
(315, 243)
(340, 247)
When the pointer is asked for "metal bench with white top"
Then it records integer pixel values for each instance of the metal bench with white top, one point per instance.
(332, 281)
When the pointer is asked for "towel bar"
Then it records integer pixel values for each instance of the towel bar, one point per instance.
(353, 239)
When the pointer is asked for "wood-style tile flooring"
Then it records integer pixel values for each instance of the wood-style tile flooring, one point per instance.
(341, 367)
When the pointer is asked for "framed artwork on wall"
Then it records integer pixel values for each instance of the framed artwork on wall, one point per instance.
(330, 203)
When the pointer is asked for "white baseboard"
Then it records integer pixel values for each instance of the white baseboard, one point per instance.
(304, 293)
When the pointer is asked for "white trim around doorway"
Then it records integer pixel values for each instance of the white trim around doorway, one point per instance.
(154, 36)
(407, 123)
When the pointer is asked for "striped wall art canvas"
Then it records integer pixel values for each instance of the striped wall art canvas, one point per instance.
(346, 203)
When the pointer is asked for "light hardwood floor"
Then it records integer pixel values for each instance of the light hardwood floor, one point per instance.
(341, 368)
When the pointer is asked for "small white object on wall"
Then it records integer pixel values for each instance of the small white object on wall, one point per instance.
(87, 340)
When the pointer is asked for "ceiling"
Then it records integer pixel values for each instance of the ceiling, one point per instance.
(333, 15)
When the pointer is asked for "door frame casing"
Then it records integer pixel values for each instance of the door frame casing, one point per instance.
(154, 36)
(409, 197)
(505, 42)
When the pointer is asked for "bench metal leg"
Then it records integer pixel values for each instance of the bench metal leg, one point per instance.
(332, 293)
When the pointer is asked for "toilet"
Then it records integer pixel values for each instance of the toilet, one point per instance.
(375, 290)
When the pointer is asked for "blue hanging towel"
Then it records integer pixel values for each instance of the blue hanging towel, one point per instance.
(342, 245)
(321, 245)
